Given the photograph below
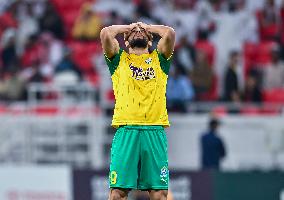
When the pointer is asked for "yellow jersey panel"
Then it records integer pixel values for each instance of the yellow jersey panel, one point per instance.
(139, 84)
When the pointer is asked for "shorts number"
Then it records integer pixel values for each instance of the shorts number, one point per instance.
(113, 177)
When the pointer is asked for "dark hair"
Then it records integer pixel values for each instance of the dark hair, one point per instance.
(214, 123)
(234, 53)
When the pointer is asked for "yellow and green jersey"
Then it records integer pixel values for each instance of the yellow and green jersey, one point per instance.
(139, 84)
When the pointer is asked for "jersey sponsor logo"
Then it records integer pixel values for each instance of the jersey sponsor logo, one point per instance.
(139, 74)
(164, 174)
(148, 61)
(113, 177)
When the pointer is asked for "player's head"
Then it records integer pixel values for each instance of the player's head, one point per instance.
(138, 37)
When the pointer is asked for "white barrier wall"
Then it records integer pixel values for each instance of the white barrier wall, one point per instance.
(84, 141)
(251, 142)
(40, 183)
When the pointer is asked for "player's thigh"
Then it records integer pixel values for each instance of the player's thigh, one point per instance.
(154, 160)
(124, 159)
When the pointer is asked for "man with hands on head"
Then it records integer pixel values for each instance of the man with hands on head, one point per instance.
(139, 157)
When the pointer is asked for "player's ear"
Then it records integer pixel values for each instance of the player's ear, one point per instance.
(150, 43)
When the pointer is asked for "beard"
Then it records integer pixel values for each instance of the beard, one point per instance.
(138, 43)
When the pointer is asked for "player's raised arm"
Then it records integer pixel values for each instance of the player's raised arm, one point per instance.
(167, 41)
(109, 43)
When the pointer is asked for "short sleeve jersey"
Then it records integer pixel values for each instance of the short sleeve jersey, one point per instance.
(139, 84)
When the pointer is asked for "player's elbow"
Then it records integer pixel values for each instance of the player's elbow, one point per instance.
(104, 34)
(170, 37)
(171, 34)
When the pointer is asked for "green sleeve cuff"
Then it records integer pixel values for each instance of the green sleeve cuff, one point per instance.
(165, 62)
(113, 62)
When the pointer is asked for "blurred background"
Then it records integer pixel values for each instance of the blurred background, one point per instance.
(225, 97)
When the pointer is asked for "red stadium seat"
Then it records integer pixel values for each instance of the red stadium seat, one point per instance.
(264, 52)
(274, 95)
(69, 20)
(257, 54)
(68, 10)
(83, 53)
(248, 56)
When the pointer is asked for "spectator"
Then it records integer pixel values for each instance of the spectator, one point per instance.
(202, 74)
(252, 92)
(87, 25)
(31, 51)
(12, 86)
(33, 74)
(268, 20)
(273, 76)
(282, 30)
(212, 147)
(184, 55)
(50, 21)
(9, 57)
(179, 91)
(206, 24)
(67, 69)
(36, 75)
(8, 19)
(51, 53)
(231, 80)
(28, 26)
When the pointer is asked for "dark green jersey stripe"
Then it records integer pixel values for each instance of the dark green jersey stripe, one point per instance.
(165, 62)
(113, 62)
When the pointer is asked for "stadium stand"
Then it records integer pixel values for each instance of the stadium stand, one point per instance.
(36, 54)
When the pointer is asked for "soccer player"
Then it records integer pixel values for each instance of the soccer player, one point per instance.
(139, 157)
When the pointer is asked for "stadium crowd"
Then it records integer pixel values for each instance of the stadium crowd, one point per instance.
(226, 50)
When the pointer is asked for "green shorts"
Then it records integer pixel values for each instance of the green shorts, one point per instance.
(139, 158)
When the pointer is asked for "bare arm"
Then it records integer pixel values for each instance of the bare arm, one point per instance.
(167, 41)
(109, 42)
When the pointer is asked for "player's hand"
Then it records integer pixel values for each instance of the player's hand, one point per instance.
(146, 28)
(130, 28)
(143, 26)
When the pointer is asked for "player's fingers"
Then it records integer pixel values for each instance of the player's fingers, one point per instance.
(132, 25)
(142, 25)
(145, 27)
